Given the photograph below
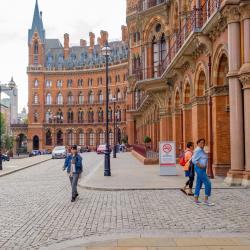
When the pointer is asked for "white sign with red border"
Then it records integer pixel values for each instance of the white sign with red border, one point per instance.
(167, 158)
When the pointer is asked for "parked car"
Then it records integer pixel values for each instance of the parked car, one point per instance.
(84, 149)
(101, 149)
(5, 157)
(34, 153)
(59, 152)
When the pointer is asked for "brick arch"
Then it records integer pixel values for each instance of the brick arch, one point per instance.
(221, 51)
(148, 34)
(222, 71)
(177, 99)
(200, 78)
(187, 93)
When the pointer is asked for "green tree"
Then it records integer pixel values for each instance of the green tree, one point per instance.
(2, 124)
(8, 142)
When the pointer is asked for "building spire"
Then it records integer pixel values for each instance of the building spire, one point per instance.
(37, 24)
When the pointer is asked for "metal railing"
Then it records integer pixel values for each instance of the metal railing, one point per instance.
(193, 22)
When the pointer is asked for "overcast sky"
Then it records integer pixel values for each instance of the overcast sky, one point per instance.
(75, 17)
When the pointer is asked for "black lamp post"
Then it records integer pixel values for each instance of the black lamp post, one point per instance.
(106, 51)
(114, 148)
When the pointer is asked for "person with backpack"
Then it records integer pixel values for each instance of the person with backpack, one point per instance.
(73, 166)
(200, 160)
(188, 168)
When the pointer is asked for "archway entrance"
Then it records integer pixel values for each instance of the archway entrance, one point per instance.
(21, 144)
(35, 142)
(59, 137)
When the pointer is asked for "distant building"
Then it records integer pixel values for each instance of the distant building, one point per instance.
(5, 110)
(22, 117)
(67, 89)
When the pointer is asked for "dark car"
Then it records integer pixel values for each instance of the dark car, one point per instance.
(84, 149)
(34, 153)
(5, 157)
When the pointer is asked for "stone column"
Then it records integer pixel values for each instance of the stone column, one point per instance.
(235, 175)
(163, 125)
(245, 79)
(130, 129)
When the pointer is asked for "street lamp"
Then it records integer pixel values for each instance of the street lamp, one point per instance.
(106, 52)
(114, 148)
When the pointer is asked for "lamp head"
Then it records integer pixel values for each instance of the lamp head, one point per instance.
(106, 50)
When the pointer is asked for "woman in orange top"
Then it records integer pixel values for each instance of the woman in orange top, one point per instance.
(188, 173)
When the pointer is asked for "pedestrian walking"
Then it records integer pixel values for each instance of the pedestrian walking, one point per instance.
(200, 160)
(188, 168)
(73, 166)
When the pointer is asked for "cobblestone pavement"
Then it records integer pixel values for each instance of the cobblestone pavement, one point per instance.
(36, 210)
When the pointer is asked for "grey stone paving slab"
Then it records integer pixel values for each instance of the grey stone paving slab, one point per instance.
(36, 210)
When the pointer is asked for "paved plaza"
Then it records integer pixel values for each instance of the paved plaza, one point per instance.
(36, 211)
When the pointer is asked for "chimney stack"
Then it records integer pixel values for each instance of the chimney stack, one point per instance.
(104, 37)
(91, 39)
(124, 33)
(66, 45)
(83, 43)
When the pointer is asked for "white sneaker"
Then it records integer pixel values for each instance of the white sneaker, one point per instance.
(207, 203)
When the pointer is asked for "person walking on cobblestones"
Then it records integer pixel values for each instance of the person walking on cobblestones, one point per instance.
(188, 169)
(200, 160)
(73, 165)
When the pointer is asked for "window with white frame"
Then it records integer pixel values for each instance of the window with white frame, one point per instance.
(48, 99)
(70, 99)
(80, 98)
(59, 99)
(48, 83)
(36, 83)
(81, 138)
(59, 83)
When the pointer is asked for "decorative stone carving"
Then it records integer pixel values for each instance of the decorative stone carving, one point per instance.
(160, 98)
(218, 90)
(245, 80)
(245, 10)
(231, 13)
(218, 28)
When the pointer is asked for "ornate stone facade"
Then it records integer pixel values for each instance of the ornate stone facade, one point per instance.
(183, 56)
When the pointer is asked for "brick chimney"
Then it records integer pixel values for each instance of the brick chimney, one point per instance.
(124, 33)
(83, 43)
(66, 46)
(91, 39)
(104, 37)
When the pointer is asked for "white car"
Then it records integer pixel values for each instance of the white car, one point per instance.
(59, 152)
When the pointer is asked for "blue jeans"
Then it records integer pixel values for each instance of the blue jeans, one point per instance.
(202, 178)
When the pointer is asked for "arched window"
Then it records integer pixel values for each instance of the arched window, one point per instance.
(101, 137)
(91, 138)
(80, 82)
(100, 97)
(48, 116)
(91, 97)
(163, 49)
(59, 116)
(35, 99)
(69, 83)
(90, 116)
(36, 48)
(155, 47)
(70, 99)
(35, 116)
(118, 114)
(110, 95)
(59, 99)
(36, 83)
(111, 139)
(70, 116)
(80, 98)
(110, 114)
(48, 99)
(119, 95)
(81, 138)
(80, 116)
(48, 138)
(100, 115)
(70, 137)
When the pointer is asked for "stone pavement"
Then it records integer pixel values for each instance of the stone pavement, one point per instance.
(15, 165)
(128, 173)
(163, 242)
(36, 212)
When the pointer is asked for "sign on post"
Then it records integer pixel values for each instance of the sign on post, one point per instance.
(167, 158)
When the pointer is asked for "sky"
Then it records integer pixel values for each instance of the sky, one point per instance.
(75, 17)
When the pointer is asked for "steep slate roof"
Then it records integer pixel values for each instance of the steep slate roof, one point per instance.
(37, 25)
(81, 56)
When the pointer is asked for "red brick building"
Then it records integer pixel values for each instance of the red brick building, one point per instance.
(189, 78)
(67, 89)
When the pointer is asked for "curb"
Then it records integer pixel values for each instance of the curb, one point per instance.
(138, 189)
(19, 169)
